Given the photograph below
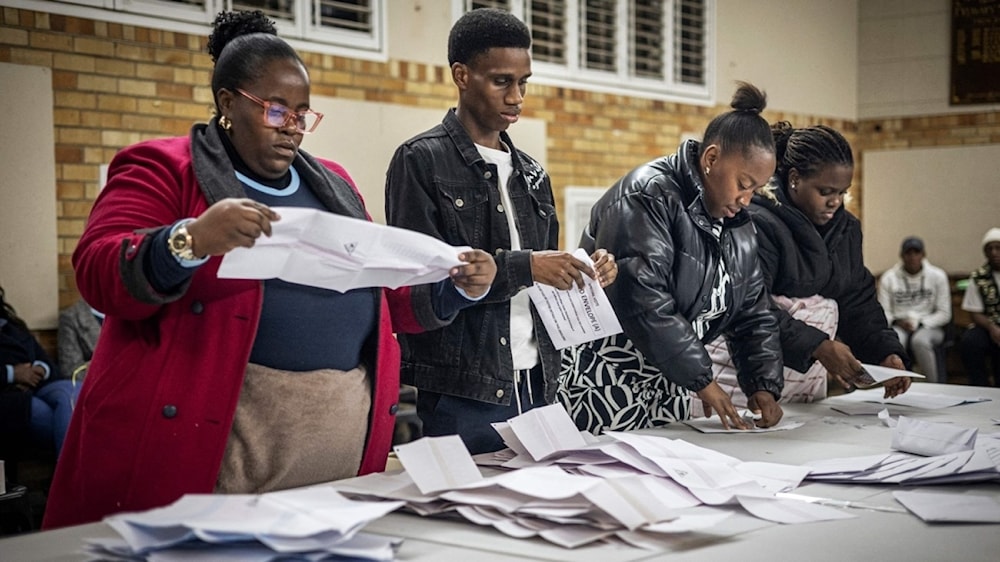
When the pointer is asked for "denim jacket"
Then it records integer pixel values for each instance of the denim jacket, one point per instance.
(439, 184)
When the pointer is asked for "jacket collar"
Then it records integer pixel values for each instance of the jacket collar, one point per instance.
(217, 177)
(467, 148)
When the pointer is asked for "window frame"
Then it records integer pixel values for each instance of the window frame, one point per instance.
(300, 32)
(573, 74)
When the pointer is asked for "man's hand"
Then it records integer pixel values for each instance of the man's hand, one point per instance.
(478, 273)
(763, 403)
(839, 362)
(896, 385)
(559, 269)
(604, 264)
(716, 399)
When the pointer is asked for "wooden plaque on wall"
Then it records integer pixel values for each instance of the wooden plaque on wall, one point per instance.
(975, 51)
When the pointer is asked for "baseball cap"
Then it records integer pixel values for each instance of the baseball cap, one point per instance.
(912, 243)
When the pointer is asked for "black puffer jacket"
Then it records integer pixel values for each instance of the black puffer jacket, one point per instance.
(799, 261)
(654, 222)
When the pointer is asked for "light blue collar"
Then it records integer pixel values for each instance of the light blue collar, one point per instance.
(293, 186)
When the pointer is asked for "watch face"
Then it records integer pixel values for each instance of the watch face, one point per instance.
(179, 241)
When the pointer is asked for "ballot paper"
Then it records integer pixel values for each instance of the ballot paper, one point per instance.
(311, 522)
(875, 374)
(714, 425)
(950, 508)
(575, 315)
(912, 398)
(622, 486)
(322, 249)
(929, 438)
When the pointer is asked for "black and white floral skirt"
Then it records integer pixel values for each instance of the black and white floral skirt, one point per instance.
(608, 385)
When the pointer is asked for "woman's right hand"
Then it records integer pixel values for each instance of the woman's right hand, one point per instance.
(715, 399)
(28, 375)
(839, 362)
(228, 224)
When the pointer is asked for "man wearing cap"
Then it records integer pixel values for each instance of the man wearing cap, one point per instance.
(982, 300)
(917, 302)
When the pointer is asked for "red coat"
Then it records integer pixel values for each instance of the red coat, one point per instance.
(155, 412)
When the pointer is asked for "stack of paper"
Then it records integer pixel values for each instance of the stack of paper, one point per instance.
(572, 489)
(309, 523)
(982, 463)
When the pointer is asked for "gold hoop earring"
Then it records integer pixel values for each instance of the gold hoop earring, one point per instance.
(707, 170)
(793, 187)
(225, 123)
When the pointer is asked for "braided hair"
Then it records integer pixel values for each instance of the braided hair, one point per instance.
(742, 128)
(808, 150)
(241, 45)
(483, 29)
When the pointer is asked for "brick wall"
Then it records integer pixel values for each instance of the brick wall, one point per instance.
(117, 84)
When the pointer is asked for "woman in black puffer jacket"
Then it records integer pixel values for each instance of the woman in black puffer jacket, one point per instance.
(688, 271)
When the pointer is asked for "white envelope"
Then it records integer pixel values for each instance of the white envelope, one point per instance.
(930, 438)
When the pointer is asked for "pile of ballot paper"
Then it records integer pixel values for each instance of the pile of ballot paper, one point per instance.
(307, 523)
(923, 453)
(573, 489)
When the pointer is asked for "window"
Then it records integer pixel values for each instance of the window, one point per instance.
(356, 25)
(651, 46)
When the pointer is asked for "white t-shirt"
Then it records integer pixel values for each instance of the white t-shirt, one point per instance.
(523, 346)
(973, 300)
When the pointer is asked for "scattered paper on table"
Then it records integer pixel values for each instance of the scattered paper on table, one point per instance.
(576, 315)
(322, 249)
(714, 425)
(875, 374)
(950, 508)
(930, 438)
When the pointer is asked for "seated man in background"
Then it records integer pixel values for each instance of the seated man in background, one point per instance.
(79, 327)
(917, 302)
(982, 300)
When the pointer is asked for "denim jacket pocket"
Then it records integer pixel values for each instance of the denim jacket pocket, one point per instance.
(543, 213)
(464, 210)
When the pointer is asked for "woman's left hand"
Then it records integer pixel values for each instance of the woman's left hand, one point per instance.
(605, 266)
(476, 276)
(762, 402)
(896, 385)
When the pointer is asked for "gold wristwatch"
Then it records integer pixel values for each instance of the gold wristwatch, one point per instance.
(181, 244)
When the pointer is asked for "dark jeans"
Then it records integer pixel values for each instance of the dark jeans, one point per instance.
(443, 414)
(975, 346)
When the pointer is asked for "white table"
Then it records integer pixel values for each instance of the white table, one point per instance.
(870, 536)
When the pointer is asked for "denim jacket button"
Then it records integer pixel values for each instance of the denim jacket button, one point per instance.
(499, 207)
(498, 251)
(541, 212)
(488, 174)
(499, 393)
(503, 340)
(459, 203)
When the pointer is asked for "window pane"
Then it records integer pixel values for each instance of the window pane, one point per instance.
(597, 20)
(548, 34)
(646, 42)
(689, 42)
(353, 15)
(274, 9)
(502, 4)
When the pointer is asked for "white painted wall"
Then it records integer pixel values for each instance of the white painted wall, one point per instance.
(947, 196)
(802, 52)
(28, 239)
(904, 59)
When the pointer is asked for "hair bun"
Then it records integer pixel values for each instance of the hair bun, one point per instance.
(230, 25)
(749, 98)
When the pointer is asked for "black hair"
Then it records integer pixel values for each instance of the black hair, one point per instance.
(743, 127)
(241, 45)
(809, 149)
(7, 311)
(483, 29)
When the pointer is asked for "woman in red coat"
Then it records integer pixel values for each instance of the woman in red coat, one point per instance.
(201, 384)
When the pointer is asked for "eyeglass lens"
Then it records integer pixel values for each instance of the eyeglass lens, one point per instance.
(278, 115)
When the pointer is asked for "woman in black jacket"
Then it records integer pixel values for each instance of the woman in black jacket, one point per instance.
(36, 403)
(811, 245)
(688, 271)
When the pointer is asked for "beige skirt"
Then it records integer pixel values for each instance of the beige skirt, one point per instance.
(295, 428)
